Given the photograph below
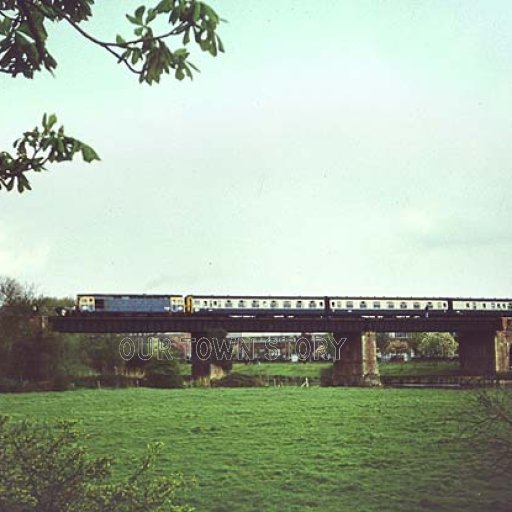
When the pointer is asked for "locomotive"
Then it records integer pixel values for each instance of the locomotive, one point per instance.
(248, 305)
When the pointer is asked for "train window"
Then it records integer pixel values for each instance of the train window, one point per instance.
(312, 304)
(333, 304)
(287, 304)
(197, 302)
(350, 304)
(493, 306)
(362, 304)
(229, 304)
(510, 305)
(430, 305)
(376, 304)
(484, 305)
(390, 304)
(205, 303)
(321, 304)
(299, 304)
(273, 304)
(416, 305)
(338, 304)
(403, 305)
(241, 303)
(255, 303)
(215, 303)
(100, 303)
(467, 304)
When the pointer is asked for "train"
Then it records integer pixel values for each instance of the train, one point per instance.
(279, 306)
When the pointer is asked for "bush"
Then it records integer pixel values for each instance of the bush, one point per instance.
(163, 374)
(238, 380)
(10, 385)
(44, 468)
(61, 382)
(326, 376)
(105, 381)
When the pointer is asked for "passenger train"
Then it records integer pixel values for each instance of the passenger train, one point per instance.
(248, 305)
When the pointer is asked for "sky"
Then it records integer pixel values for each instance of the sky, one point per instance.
(337, 148)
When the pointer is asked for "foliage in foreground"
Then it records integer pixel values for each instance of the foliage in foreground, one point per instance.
(490, 426)
(45, 468)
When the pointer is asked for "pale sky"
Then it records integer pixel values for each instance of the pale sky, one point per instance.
(338, 147)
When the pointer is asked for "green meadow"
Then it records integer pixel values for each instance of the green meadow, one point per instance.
(291, 448)
(313, 369)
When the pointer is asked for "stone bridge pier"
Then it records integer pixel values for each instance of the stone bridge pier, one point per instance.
(355, 362)
(485, 352)
(210, 357)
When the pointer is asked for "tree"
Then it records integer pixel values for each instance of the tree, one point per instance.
(163, 373)
(437, 344)
(24, 51)
(382, 339)
(44, 467)
(102, 352)
(17, 328)
(29, 351)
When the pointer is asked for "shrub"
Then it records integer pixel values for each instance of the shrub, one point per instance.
(163, 374)
(44, 468)
(238, 380)
(326, 376)
(8, 385)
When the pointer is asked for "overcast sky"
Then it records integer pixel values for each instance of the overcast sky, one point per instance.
(352, 147)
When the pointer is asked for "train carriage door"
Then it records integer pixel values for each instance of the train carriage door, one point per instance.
(188, 303)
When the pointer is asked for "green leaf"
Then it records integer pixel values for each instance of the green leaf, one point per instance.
(221, 46)
(119, 40)
(88, 154)
(164, 6)
(51, 121)
(151, 15)
(139, 12)
(133, 20)
(197, 12)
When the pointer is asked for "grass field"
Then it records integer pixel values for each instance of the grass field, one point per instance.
(292, 449)
(313, 370)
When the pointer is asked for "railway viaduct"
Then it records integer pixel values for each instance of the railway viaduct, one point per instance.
(484, 341)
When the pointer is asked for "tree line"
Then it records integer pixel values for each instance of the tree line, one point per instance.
(32, 355)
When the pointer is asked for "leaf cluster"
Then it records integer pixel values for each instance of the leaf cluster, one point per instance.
(35, 149)
(23, 36)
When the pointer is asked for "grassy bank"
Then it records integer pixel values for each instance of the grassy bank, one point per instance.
(292, 449)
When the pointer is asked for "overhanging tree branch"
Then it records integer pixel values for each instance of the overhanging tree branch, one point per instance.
(24, 50)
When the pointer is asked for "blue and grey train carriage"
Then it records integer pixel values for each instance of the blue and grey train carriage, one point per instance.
(130, 304)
